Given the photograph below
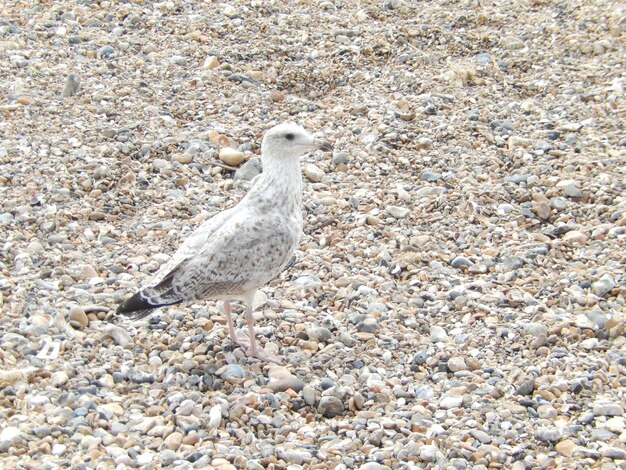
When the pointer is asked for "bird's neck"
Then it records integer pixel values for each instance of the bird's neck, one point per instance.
(280, 181)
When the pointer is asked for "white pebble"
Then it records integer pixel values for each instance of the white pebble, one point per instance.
(313, 173)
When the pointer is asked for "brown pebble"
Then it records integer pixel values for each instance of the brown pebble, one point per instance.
(566, 447)
(277, 96)
(182, 158)
(25, 100)
(97, 215)
(77, 314)
(191, 439)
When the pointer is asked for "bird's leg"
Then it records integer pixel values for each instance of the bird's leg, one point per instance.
(231, 327)
(254, 351)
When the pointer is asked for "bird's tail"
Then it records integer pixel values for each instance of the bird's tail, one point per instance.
(138, 306)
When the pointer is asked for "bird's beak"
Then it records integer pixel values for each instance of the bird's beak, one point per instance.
(322, 145)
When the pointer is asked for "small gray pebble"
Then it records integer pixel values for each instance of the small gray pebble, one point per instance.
(603, 286)
(482, 436)
(512, 263)
(106, 51)
(309, 395)
(233, 371)
(340, 158)
(421, 357)
(293, 383)
(461, 261)
(526, 388)
(72, 82)
(319, 333)
(548, 434)
(326, 383)
(369, 325)
(608, 409)
(330, 406)
(139, 376)
(430, 176)
(614, 453)
(392, 4)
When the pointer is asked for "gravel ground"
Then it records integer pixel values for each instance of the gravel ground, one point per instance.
(458, 298)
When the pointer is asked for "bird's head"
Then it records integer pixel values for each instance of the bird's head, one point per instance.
(289, 140)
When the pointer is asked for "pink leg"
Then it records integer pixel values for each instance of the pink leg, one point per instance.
(254, 351)
(231, 327)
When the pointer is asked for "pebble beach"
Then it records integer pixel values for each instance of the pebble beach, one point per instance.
(458, 297)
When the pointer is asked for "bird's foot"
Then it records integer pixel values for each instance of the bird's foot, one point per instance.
(267, 357)
(243, 342)
(240, 340)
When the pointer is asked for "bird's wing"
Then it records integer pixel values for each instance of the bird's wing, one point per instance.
(193, 244)
(245, 252)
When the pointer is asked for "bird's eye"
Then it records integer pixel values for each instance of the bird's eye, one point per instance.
(289, 136)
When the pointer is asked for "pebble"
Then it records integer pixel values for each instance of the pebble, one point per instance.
(512, 43)
(603, 286)
(168, 457)
(398, 212)
(428, 453)
(290, 382)
(542, 209)
(277, 96)
(607, 409)
(547, 434)
(309, 395)
(249, 170)
(373, 466)
(211, 62)
(566, 447)
(330, 406)
(72, 83)
(614, 453)
(183, 158)
(369, 325)
(139, 376)
(570, 188)
(8, 436)
(173, 441)
(430, 176)
(615, 424)
(118, 334)
(340, 158)
(511, 263)
(574, 237)
(393, 4)
(570, 127)
(59, 449)
(231, 156)
(313, 173)
(456, 364)
(59, 378)
(231, 371)
(526, 388)
(482, 436)
(77, 314)
(559, 203)
(460, 262)
(319, 333)
(109, 410)
(448, 402)
(106, 51)
(438, 334)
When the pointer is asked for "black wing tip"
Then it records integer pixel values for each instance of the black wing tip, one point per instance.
(137, 307)
(133, 303)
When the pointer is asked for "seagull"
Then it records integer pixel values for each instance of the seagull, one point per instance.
(235, 252)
